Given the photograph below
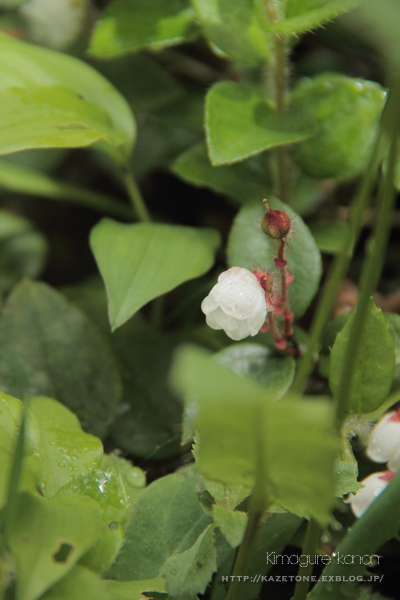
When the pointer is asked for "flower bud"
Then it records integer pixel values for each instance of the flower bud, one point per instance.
(275, 223)
(236, 304)
(373, 485)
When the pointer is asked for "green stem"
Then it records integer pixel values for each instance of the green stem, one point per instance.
(135, 196)
(341, 263)
(280, 84)
(258, 504)
(371, 272)
(95, 201)
(309, 550)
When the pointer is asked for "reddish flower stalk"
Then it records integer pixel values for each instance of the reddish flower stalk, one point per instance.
(280, 341)
(280, 262)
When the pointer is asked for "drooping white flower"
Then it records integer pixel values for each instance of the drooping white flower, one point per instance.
(373, 486)
(384, 441)
(236, 304)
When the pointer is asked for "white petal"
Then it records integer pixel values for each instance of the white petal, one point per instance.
(384, 439)
(212, 321)
(209, 304)
(257, 319)
(229, 273)
(373, 486)
(241, 332)
(394, 462)
(219, 320)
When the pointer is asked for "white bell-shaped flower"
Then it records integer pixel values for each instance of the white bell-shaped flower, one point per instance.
(236, 304)
(373, 486)
(384, 441)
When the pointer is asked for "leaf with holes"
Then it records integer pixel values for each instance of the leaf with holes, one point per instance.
(48, 537)
(143, 261)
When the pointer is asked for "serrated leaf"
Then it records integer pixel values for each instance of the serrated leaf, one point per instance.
(168, 521)
(143, 261)
(303, 15)
(129, 25)
(299, 445)
(189, 572)
(42, 529)
(259, 363)
(231, 523)
(374, 369)
(239, 124)
(235, 27)
(64, 448)
(249, 247)
(242, 181)
(60, 91)
(346, 112)
(41, 334)
(228, 496)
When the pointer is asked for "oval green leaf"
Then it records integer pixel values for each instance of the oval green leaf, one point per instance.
(85, 105)
(143, 261)
(374, 369)
(249, 247)
(346, 112)
(129, 25)
(239, 124)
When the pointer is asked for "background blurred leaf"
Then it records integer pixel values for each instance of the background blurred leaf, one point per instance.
(329, 237)
(79, 584)
(31, 68)
(129, 25)
(249, 247)
(59, 353)
(374, 369)
(346, 111)
(142, 261)
(234, 26)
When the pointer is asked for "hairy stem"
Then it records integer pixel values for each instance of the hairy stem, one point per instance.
(135, 196)
(287, 315)
(280, 341)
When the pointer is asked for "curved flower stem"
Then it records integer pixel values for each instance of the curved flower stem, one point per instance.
(287, 315)
(135, 196)
(280, 341)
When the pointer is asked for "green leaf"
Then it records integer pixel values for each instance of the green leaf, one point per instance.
(329, 237)
(235, 27)
(393, 321)
(346, 112)
(298, 439)
(79, 584)
(152, 424)
(23, 250)
(303, 15)
(374, 369)
(143, 261)
(133, 478)
(260, 364)
(24, 180)
(227, 496)
(249, 179)
(190, 571)
(132, 590)
(62, 91)
(48, 537)
(231, 523)
(129, 25)
(249, 247)
(377, 525)
(239, 124)
(40, 333)
(151, 550)
(64, 448)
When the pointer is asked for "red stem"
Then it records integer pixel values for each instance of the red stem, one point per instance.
(287, 315)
